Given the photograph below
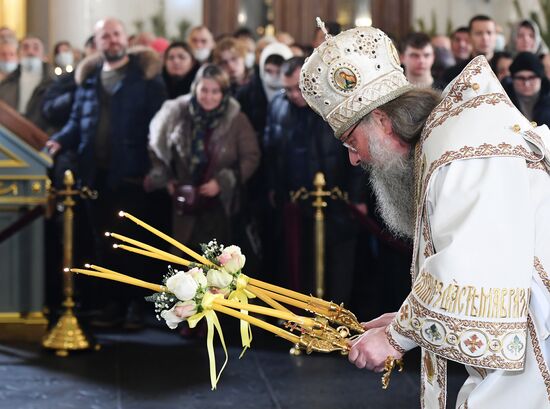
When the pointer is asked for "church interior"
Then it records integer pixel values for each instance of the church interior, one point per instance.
(141, 138)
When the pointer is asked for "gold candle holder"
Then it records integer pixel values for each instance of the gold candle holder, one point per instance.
(314, 334)
(67, 334)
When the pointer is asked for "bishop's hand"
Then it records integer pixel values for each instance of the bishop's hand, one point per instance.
(372, 349)
(382, 321)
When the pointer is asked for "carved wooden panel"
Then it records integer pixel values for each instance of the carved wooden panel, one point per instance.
(22, 127)
(220, 16)
(297, 17)
(392, 16)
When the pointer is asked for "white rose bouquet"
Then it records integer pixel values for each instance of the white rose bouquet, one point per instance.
(214, 282)
(184, 290)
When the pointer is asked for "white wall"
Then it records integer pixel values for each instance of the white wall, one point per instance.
(460, 11)
(177, 10)
(74, 20)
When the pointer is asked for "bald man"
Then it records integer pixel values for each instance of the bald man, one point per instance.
(119, 91)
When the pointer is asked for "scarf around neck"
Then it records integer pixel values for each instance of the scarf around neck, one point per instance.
(203, 123)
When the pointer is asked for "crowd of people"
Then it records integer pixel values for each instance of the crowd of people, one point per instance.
(207, 137)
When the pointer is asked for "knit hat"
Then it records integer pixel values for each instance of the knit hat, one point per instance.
(526, 61)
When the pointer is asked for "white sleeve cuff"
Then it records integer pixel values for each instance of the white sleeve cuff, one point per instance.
(400, 342)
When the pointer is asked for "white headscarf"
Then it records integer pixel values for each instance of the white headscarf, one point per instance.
(271, 90)
(540, 46)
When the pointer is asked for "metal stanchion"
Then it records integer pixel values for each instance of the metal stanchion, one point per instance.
(67, 335)
(319, 194)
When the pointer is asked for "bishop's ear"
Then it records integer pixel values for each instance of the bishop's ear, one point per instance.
(383, 120)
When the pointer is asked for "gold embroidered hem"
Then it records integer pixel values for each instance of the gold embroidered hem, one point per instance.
(456, 93)
(428, 248)
(433, 380)
(543, 367)
(542, 273)
(442, 381)
(485, 150)
(393, 342)
(493, 345)
(537, 166)
(490, 99)
(469, 301)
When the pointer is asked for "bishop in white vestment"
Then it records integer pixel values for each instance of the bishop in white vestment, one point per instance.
(480, 203)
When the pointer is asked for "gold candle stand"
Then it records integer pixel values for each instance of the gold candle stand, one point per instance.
(319, 194)
(67, 335)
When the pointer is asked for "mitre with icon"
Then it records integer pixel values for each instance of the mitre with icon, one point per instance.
(351, 74)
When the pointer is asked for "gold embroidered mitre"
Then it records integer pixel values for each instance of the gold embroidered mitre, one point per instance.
(351, 74)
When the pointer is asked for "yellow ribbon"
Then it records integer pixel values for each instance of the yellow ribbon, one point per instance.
(241, 294)
(212, 322)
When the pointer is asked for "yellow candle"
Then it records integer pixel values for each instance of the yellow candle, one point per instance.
(288, 300)
(169, 239)
(267, 299)
(150, 254)
(257, 322)
(121, 278)
(149, 248)
(103, 270)
(129, 280)
(287, 316)
(288, 293)
(98, 274)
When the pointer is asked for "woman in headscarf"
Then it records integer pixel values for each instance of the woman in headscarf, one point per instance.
(525, 37)
(203, 140)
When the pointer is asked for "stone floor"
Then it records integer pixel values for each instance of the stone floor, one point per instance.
(157, 368)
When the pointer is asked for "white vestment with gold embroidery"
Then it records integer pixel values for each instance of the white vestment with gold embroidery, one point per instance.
(481, 294)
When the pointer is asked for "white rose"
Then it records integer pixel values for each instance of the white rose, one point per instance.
(232, 260)
(182, 285)
(218, 279)
(198, 276)
(178, 313)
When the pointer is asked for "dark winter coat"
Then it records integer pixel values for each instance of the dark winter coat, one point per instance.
(321, 151)
(133, 104)
(58, 100)
(176, 87)
(232, 144)
(254, 102)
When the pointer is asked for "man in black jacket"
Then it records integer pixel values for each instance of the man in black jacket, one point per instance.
(483, 37)
(118, 94)
(298, 143)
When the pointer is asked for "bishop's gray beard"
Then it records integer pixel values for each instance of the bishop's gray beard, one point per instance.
(392, 179)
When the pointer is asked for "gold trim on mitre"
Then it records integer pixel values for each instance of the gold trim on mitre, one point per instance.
(351, 74)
